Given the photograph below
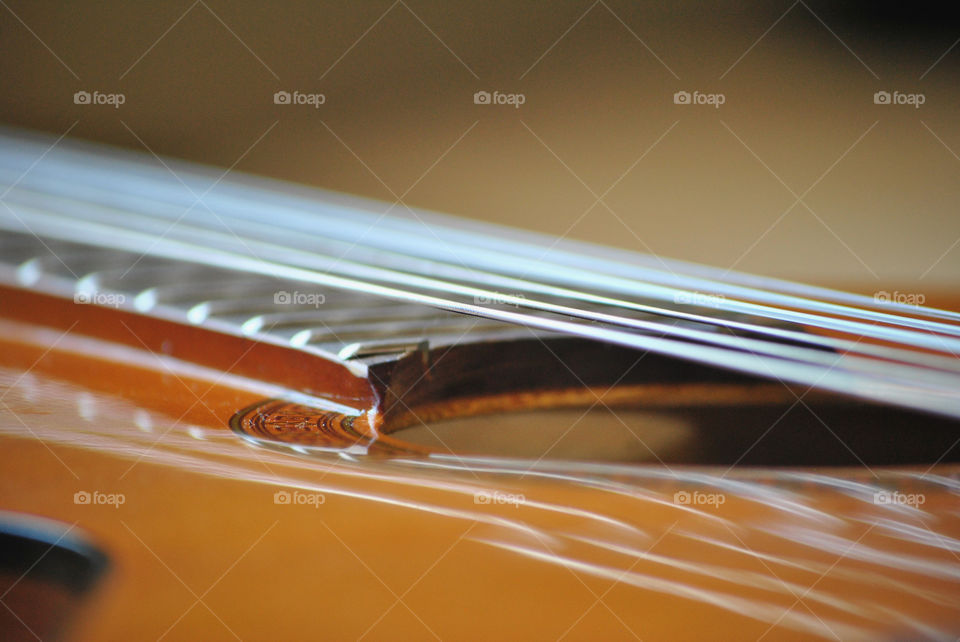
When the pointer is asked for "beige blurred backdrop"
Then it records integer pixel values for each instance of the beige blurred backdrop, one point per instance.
(798, 174)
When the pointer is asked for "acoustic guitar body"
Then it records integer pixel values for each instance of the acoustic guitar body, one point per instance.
(191, 451)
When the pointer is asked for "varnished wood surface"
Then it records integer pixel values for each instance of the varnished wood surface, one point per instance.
(200, 549)
(329, 570)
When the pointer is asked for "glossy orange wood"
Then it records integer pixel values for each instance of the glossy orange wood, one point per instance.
(223, 352)
(201, 549)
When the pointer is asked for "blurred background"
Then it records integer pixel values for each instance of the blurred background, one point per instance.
(805, 140)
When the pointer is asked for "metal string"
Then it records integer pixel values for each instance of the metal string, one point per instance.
(75, 196)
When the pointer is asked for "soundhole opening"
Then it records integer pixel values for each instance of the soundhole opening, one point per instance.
(47, 570)
(583, 400)
(830, 432)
